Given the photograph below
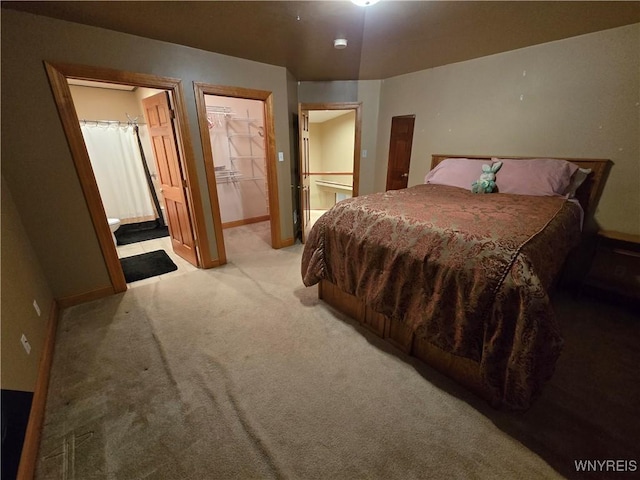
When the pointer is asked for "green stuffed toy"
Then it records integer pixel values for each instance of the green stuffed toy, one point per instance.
(487, 181)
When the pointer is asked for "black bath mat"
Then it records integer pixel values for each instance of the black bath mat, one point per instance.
(139, 232)
(146, 265)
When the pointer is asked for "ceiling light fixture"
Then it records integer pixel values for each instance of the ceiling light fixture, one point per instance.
(364, 3)
(340, 43)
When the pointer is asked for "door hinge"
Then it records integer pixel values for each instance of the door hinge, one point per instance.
(184, 183)
(172, 113)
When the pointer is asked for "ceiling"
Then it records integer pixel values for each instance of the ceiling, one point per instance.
(386, 39)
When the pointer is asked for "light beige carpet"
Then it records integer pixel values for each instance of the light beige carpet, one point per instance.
(240, 372)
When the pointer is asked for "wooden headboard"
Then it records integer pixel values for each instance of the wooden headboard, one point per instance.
(589, 192)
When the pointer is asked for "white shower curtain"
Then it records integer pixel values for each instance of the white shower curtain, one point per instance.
(117, 165)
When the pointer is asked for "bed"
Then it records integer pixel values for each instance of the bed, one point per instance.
(461, 280)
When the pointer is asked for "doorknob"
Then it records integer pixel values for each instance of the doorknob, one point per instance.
(404, 175)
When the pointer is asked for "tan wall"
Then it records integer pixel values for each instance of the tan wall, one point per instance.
(369, 92)
(23, 281)
(577, 97)
(37, 164)
(338, 135)
(104, 104)
(337, 153)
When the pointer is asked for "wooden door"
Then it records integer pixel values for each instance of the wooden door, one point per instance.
(305, 178)
(159, 117)
(400, 152)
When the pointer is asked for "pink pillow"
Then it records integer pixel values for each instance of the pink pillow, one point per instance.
(456, 172)
(537, 176)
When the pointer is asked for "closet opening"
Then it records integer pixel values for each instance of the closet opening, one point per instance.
(236, 128)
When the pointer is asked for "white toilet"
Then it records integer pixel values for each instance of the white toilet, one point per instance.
(114, 224)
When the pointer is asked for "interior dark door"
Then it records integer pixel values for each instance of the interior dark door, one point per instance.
(400, 152)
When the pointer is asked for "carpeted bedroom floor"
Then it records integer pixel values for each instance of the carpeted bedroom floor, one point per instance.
(241, 372)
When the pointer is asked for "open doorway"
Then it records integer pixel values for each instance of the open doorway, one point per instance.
(330, 139)
(236, 136)
(184, 177)
(238, 143)
(118, 142)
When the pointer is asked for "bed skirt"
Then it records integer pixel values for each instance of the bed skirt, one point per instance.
(464, 371)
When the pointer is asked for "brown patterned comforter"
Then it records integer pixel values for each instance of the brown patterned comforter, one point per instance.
(468, 273)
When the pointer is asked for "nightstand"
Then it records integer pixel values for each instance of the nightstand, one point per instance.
(615, 269)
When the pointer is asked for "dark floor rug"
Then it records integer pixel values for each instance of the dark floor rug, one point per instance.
(147, 265)
(139, 232)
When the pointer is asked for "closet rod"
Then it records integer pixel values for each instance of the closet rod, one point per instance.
(130, 121)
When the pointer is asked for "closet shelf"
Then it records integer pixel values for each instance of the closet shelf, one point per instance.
(228, 178)
(226, 173)
(244, 135)
(252, 179)
(238, 178)
(242, 119)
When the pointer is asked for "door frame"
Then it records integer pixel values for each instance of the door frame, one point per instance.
(58, 74)
(357, 145)
(201, 89)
